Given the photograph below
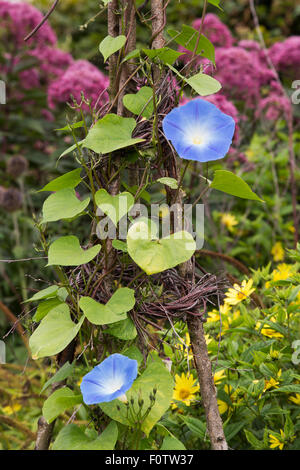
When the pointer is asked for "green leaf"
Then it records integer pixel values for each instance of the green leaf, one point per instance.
(110, 45)
(216, 3)
(165, 54)
(124, 329)
(140, 103)
(58, 402)
(65, 371)
(188, 38)
(171, 182)
(155, 256)
(54, 333)
(66, 251)
(133, 353)
(115, 310)
(99, 138)
(131, 55)
(256, 443)
(115, 207)
(119, 245)
(171, 443)
(229, 183)
(68, 180)
(69, 127)
(71, 437)
(71, 149)
(63, 204)
(47, 293)
(204, 84)
(287, 389)
(197, 427)
(45, 307)
(156, 376)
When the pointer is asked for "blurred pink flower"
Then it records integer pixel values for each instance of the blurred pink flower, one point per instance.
(216, 31)
(79, 77)
(19, 19)
(286, 56)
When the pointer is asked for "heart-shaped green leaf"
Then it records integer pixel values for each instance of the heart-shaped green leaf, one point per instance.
(47, 293)
(155, 256)
(229, 183)
(140, 102)
(63, 204)
(204, 84)
(121, 302)
(156, 376)
(65, 371)
(165, 54)
(68, 180)
(66, 251)
(59, 401)
(124, 329)
(188, 38)
(71, 437)
(99, 138)
(54, 333)
(45, 307)
(110, 45)
(115, 207)
(171, 182)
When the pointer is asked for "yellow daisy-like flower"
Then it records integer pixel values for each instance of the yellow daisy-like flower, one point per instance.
(295, 399)
(213, 316)
(277, 442)
(229, 221)
(272, 383)
(9, 410)
(278, 252)
(283, 272)
(269, 332)
(274, 353)
(185, 388)
(238, 293)
(219, 376)
(223, 407)
(225, 309)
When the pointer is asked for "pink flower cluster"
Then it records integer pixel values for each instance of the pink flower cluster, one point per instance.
(19, 19)
(216, 31)
(285, 56)
(244, 72)
(80, 77)
(54, 69)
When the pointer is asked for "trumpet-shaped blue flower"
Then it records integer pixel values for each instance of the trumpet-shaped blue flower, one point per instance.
(109, 380)
(199, 131)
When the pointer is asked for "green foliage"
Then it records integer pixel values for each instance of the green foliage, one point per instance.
(110, 45)
(154, 376)
(66, 251)
(63, 204)
(140, 103)
(54, 333)
(71, 437)
(155, 256)
(230, 183)
(115, 207)
(99, 137)
(121, 302)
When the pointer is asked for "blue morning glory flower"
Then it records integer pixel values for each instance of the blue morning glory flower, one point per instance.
(199, 131)
(109, 380)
